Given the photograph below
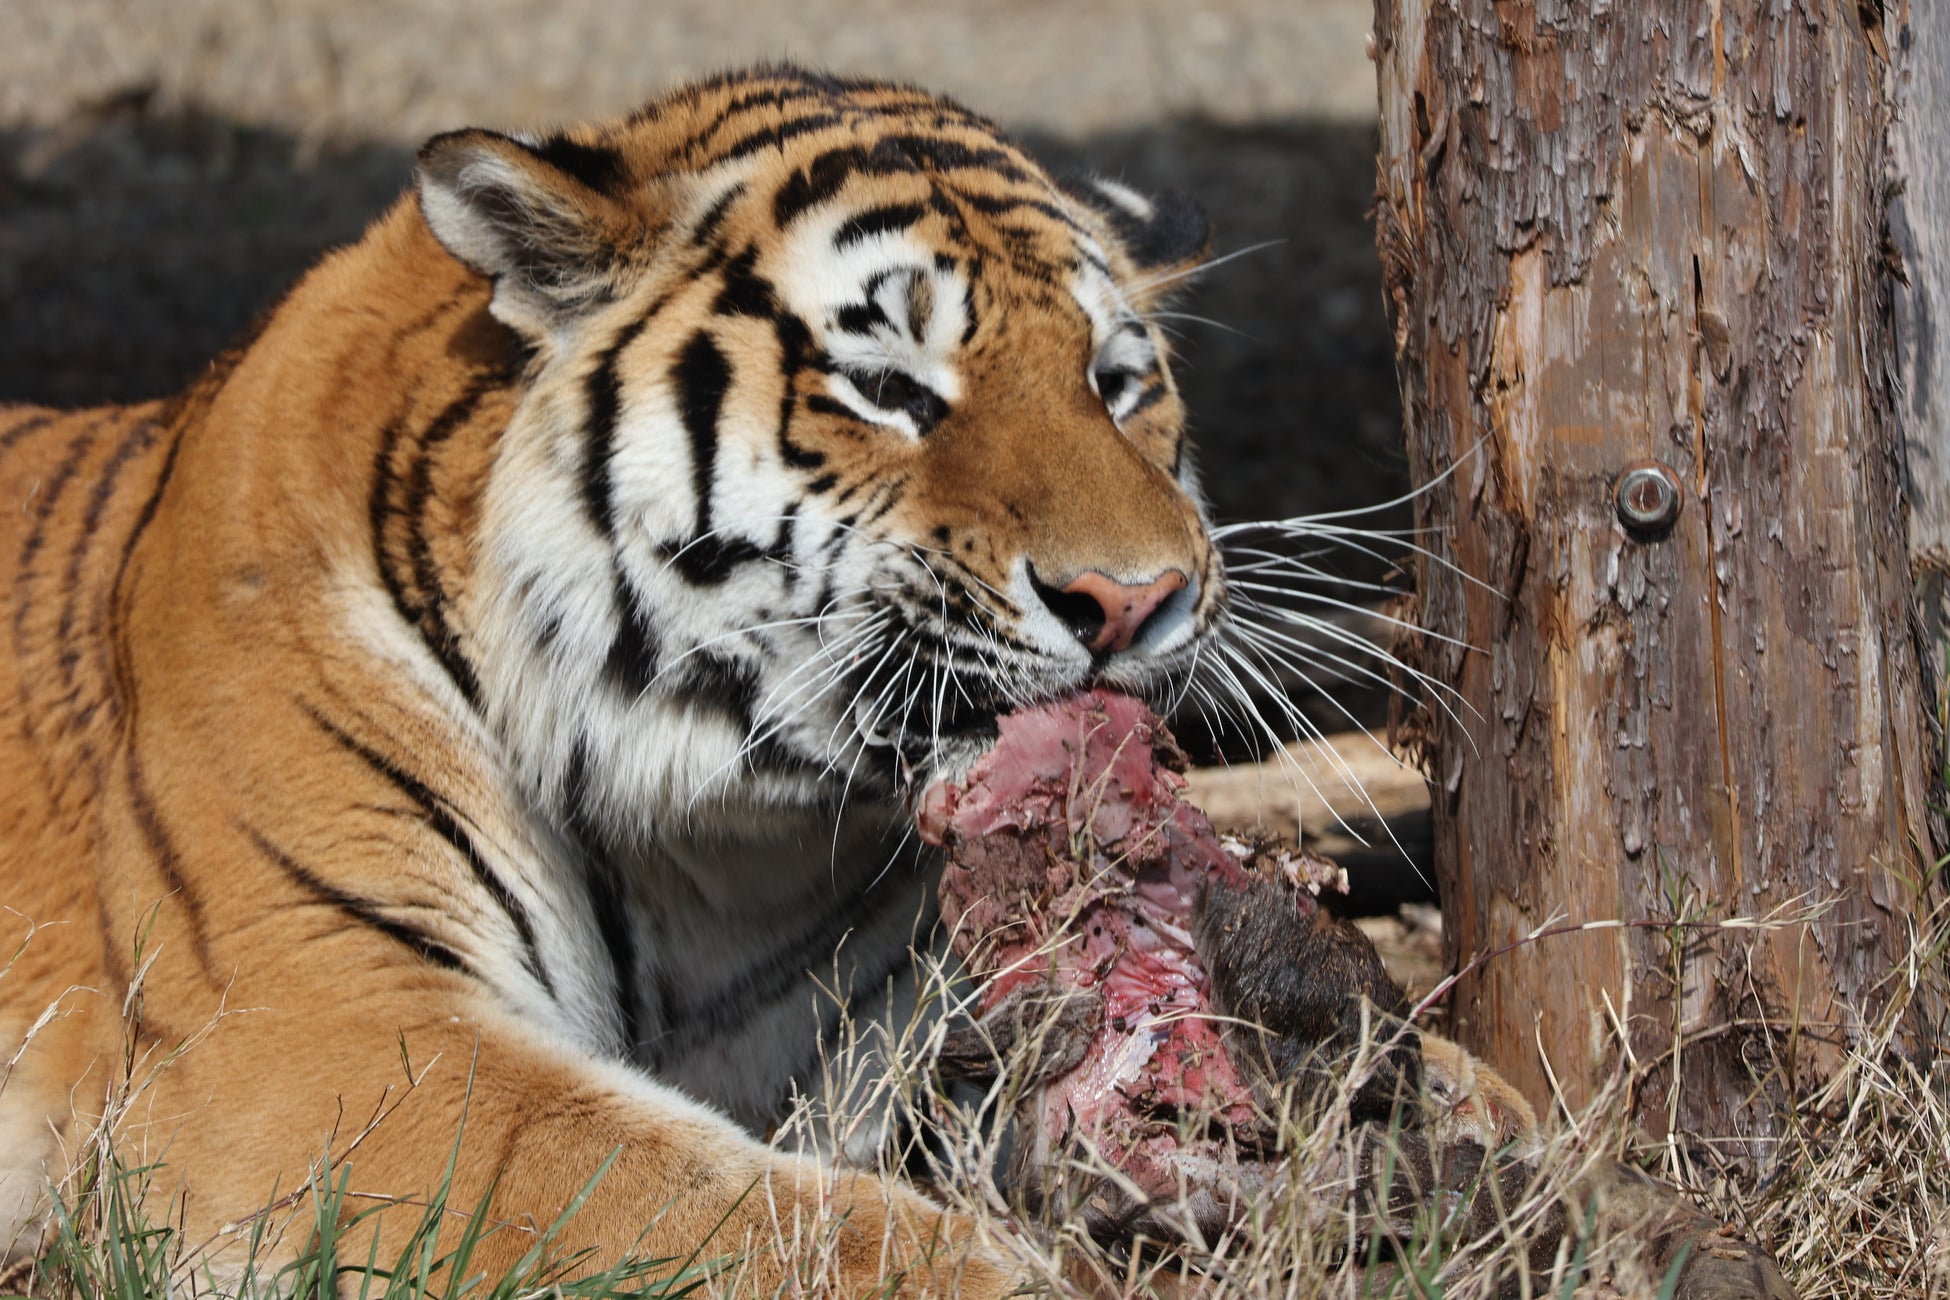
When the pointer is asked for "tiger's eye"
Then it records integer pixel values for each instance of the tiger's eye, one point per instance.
(896, 390)
(1111, 385)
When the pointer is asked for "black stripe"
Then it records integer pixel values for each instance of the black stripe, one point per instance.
(943, 201)
(1028, 264)
(820, 179)
(825, 405)
(379, 509)
(25, 427)
(435, 628)
(793, 454)
(1102, 267)
(442, 821)
(632, 662)
(358, 909)
(723, 683)
(606, 900)
(861, 317)
(950, 566)
(795, 347)
(865, 225)
(112, 947)
(745, 293)
(140, 437)
(777, 134)
(941, 154)
(891, 493)
(868, 485)
(424, 608)
(702, 376)
(162, 848)
(707, 561)
(997, 204)
(707, 225)
(766, 97)
(80, 443)
(118, 589)
(597, 166)
(1156, 393)
(977, 273)
(604, 394)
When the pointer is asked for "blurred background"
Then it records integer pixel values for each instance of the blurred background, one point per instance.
(167, 167)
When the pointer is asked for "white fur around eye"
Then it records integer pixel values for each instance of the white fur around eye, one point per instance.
(1129, 348)
(1122, 361)
(844, 391)
(817, 281)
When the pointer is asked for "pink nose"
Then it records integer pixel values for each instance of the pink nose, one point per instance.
(1125, 606)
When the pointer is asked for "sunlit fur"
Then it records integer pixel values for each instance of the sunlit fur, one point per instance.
(503, 672)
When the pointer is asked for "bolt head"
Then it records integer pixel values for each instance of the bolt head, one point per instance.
(1647, 496)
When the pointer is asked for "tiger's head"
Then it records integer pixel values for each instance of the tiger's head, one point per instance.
(845, 428)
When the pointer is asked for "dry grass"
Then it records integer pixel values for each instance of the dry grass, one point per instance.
(1857, 1202)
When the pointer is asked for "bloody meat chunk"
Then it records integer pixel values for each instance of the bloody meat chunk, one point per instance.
(1101, 913)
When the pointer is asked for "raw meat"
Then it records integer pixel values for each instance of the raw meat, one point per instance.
(1108, 922)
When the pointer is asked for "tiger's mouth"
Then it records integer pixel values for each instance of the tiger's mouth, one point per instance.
(918, 718)
(967, 726)
(953, 742)
(936, 735)
(931, 703)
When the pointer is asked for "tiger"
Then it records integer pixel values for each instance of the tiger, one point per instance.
(486, 698)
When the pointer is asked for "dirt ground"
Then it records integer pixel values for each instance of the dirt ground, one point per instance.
(168, 166)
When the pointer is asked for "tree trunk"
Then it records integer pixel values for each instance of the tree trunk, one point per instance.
(1919, 225)
(1650, 233)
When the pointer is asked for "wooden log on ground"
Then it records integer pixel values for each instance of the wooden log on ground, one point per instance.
(1345, 797)
(1314, 791)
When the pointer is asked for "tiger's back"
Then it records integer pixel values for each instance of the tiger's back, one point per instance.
(76, 482)
(151, 696)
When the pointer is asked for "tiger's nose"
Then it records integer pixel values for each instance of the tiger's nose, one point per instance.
(1104, 613)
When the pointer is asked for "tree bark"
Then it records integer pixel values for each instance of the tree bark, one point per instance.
(1919, 226)
(1653, 231)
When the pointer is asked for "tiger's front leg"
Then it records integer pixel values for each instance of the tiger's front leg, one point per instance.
(527, 1123)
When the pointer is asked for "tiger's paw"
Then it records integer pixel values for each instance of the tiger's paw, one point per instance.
(860, 1235)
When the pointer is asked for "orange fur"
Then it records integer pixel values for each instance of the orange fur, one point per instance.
(228, 619)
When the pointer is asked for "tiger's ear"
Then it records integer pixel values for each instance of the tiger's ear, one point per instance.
(1165, 235)
(536, 220)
